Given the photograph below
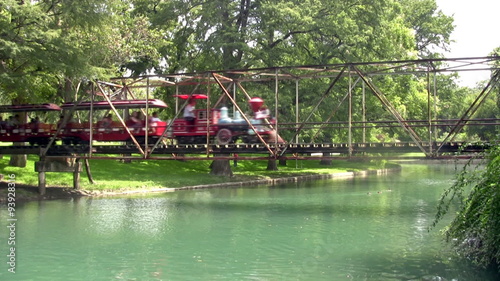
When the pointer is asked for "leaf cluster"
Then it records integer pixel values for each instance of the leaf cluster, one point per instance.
(475, 229)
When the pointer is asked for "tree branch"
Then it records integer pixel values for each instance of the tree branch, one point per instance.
(288, 35)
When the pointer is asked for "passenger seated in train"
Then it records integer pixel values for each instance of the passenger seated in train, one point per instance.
(262, 113)
(262, 120)
(189, 115)
(106, 122)
(153, 122)
(154, 118)
(12, 122)
(135, 121)
(34, 124)
(60, 121)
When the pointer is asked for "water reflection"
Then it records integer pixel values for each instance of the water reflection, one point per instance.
(146, 216)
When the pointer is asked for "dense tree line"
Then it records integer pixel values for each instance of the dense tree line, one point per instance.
(43, 43)
(48, 47)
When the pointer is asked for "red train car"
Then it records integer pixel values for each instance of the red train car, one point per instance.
(114, 130)
(13, 129)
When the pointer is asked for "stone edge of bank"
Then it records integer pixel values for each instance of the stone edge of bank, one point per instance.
(270, 181)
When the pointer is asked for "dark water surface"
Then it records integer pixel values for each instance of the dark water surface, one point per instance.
(372, 228)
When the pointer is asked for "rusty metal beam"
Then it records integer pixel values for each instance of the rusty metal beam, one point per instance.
(472, 108)
(322, 98)
(383, 99)
(134, 140)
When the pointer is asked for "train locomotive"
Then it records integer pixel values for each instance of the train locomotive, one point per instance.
(218, 126)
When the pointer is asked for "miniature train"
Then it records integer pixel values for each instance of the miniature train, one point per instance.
(214, 124)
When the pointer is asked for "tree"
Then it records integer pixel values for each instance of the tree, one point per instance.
(45, 44)
(21, 42)
(431, 26)
(476, 227)
(489, 110)
(48, 47)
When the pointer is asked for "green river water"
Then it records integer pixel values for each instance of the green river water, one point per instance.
(373, 228)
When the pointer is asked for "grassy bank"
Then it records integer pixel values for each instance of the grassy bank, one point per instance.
(113, 175)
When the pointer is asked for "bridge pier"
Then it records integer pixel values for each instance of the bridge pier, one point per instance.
(43, 166)
(41, 183)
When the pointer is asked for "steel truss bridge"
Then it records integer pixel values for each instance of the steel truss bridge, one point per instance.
(344, 89)
(300, 151)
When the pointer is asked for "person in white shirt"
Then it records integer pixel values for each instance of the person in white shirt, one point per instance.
(154, 117)
(189, 114)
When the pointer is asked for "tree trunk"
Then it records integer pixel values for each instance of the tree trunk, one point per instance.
(63, 162)
(272, 165)
(18, 161)
(221, 168)
(87, 169)
(282, 162)
(326, 162)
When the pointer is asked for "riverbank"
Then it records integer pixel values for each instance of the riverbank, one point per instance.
(29, 193)
(270, 181)
(114, 177)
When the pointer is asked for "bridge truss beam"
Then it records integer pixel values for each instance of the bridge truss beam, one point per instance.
(230, 83)
(342, 81)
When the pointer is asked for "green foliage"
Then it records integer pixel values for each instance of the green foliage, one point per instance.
(488, 110)
(432, 28)
(46, 45)
(475, 230)
(229, 34)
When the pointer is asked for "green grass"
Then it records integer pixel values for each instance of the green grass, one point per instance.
(117, 176)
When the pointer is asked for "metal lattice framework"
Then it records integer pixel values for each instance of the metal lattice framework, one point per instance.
(351, 80)
(339, 103)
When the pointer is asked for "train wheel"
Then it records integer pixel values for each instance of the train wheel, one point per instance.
(200, 140)
(185, 140)
(141, 140)
(67, 141)
(224, 136)
(42, 141)
(250, 139)
(76, 141)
